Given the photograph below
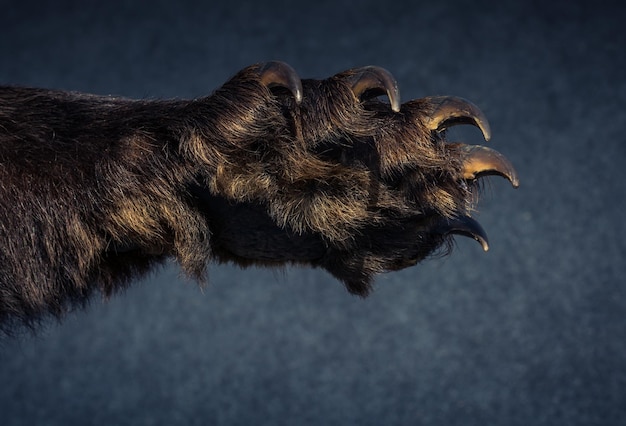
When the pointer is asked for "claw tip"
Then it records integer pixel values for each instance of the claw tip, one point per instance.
(276, 73)
(298, 95)
(378, 80)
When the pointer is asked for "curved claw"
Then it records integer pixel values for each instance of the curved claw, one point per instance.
(482, 161)
(376, 81)
(465, 226)
(280, 74)
(451, 110)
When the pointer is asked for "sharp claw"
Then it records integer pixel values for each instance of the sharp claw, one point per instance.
(280, 74)
(450, 110)
(465, 226)
(377, 81)
(482, 161)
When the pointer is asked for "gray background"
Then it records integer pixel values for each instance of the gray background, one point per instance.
(531, 333)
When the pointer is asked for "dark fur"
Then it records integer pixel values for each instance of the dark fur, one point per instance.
(96, 190)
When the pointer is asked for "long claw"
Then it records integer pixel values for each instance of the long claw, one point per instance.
(482, 161)
(450, 110)
(465, 226)
(376, 81)
(280, 74)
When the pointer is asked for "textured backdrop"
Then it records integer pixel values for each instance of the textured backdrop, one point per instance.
(531, 333)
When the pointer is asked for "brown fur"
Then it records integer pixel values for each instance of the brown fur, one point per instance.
(96, 190)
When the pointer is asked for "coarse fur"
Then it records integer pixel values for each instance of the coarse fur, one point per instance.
(96, 190)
